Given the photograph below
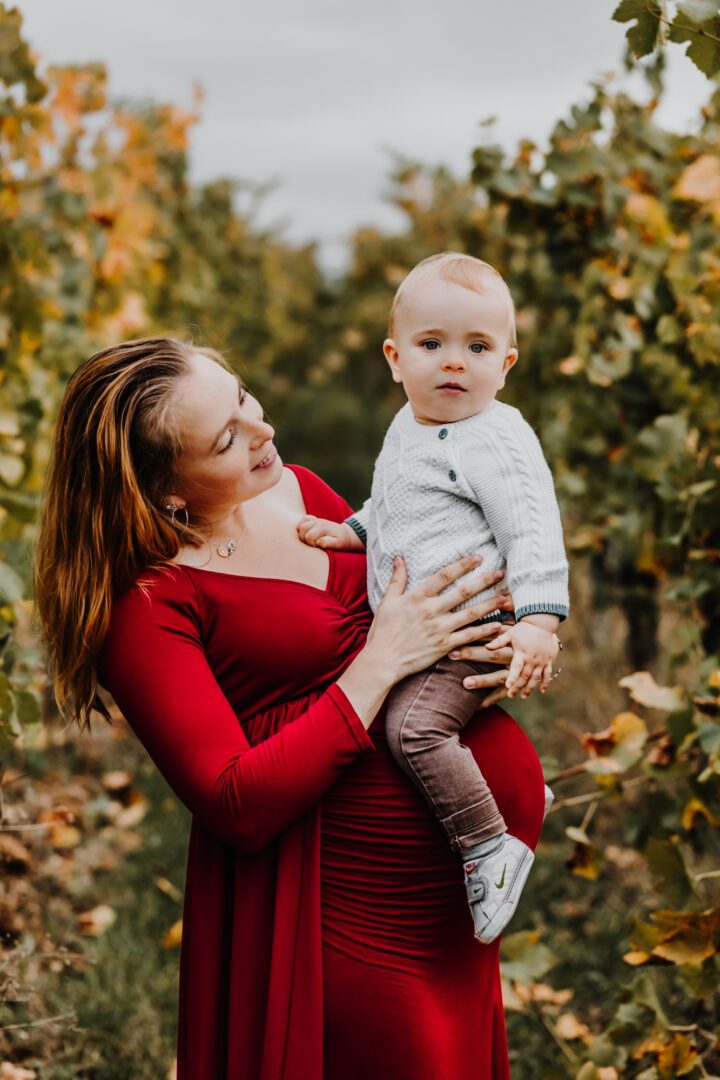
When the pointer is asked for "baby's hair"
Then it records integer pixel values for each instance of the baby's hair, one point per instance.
(464, 270)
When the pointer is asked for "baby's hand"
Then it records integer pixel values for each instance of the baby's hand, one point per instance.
(318, 532)
(534, 650)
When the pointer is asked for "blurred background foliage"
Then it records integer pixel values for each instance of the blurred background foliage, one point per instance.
(608, 238)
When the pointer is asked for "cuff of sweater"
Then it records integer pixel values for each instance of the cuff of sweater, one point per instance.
(561, 610)
(357, 527)
(354, 723)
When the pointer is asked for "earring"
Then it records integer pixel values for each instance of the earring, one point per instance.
(173, 510)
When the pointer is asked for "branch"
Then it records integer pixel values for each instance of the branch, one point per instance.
(37, 1023)
(691, 29)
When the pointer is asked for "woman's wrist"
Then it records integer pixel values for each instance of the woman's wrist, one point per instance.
(367, 681)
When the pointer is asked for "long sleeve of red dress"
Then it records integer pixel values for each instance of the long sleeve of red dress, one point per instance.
(156, 668)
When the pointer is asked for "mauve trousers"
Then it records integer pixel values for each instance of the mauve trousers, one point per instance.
(425, 715)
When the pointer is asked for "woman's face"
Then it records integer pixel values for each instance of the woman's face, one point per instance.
(228, 454)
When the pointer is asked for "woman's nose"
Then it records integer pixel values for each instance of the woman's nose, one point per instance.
(263, 432)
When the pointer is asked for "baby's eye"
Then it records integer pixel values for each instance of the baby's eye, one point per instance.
(430, 345)
(478, 347)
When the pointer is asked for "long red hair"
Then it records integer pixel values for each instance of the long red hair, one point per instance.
(103, 520)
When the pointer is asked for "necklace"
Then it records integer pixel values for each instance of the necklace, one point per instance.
(226, 550)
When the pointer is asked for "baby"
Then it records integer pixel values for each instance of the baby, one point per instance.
(461, 473)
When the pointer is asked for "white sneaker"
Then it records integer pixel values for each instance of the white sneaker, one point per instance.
(549, 800)
(494, 884)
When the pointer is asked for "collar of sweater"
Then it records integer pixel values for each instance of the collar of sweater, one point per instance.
(431, 432)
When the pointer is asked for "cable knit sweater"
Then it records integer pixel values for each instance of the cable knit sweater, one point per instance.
(479, 485)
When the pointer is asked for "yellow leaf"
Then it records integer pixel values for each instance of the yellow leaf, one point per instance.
(173, 936)
(701, 180)
(131, 815)
(96, 922)
(636, 957)
(677, 1058)
(569, 1027)
(117, 781)
(648, 211)
(570, 365)
(714, 679)
(695, 809)
(65, 836)
(619, 746)
(168, 888)
(8, 1071)
(646, 691)
(620, 288)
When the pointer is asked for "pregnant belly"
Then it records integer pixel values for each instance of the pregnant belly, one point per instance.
(392, 890)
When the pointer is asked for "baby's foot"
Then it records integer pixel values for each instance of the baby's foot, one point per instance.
(494, 880)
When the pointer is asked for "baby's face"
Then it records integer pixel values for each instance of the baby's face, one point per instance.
(452, 348)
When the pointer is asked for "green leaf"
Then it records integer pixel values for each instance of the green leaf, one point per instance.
(704, 47)
(669, 872)
(709, 737)
(11, 588)
(524, 957)
(647, 33)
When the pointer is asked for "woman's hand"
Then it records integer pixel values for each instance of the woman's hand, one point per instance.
(494, 681)
(412, 630)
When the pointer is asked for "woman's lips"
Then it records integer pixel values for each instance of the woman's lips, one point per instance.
(267, 461)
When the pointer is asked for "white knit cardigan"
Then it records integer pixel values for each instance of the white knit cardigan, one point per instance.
(479, 485)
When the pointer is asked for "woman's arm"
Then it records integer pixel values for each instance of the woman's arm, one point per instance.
(154, 664)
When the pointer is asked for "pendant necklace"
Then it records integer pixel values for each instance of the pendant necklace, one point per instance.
(226, 550)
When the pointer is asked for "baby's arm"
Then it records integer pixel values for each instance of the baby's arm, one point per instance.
(348, 535)
(514, 487)
(319, 532)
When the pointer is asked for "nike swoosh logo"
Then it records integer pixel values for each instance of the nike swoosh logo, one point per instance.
(499, 884)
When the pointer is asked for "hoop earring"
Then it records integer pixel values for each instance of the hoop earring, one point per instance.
(173, 510)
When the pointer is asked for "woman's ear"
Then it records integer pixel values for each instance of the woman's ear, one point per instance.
(173, 500)
(391, 355)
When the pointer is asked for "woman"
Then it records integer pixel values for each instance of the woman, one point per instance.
(325, 934)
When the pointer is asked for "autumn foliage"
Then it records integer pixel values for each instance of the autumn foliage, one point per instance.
(608, 238)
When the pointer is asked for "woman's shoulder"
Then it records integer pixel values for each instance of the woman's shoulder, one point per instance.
(166, 589)
(318, 497)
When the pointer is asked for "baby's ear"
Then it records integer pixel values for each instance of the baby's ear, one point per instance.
(391, 355)
(509, 361)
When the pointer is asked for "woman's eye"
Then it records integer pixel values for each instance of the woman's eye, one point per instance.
(228, 444)
(430, 345)
(478, 347)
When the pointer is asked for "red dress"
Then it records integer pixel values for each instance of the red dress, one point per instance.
(325, 929)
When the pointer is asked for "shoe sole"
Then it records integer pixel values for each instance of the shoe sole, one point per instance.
(497, 924)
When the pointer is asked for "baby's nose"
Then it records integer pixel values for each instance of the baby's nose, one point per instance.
(454, 361)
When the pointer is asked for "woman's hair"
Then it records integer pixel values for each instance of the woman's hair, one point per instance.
(464, 270)
(103, 520)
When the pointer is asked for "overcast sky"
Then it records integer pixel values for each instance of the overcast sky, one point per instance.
(313, 93)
